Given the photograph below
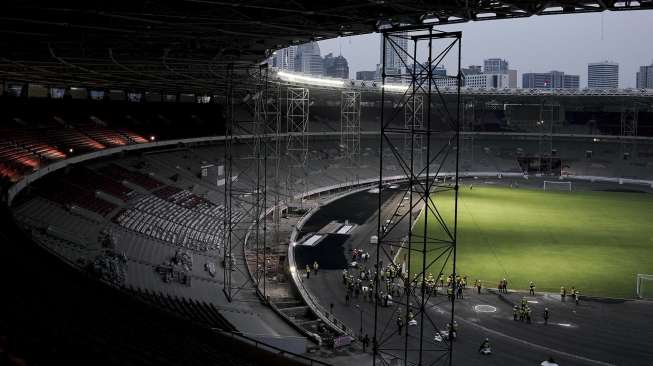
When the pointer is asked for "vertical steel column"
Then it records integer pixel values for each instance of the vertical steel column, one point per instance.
(246, 192)
(297, 117)
(350, 131)
(426, 241)
(227, 258)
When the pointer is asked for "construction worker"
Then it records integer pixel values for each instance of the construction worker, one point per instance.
(531, 287)
(563, 293)
(485, 347)
(308, 271)
(577, 296)
(315, 267)
(459, 291)
(515, 312)
(452, 330)
(546, 316)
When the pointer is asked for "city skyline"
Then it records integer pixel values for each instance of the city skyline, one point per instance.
(533, 45)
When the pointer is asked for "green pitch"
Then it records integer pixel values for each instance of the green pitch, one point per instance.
(596, 241)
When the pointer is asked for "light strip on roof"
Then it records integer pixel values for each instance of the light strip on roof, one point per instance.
(310, 80)
(397, 88)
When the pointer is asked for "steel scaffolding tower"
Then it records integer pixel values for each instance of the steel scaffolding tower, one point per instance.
(431, 247)
(350, 131)
(629, 124)
(245, 189)
(629, 120)
(267, 121)
(297, 114)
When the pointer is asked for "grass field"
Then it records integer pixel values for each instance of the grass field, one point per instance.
(596, 241)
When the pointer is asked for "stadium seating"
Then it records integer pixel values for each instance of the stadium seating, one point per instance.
(118, 172)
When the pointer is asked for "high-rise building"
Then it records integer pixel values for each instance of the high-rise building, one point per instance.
(498, 81)
(336, 67)
(495, 66)
(644, 77)
(550, 80)
(308, 59)
(602, 75)
(365, 75)
(571, 82)
(284, 59)
(512, 79)
(395, 55)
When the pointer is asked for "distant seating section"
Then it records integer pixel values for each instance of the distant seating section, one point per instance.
(170, 222)
(104, 135)
(142, 180)
(97, 182)
(25, 149)
(34, 141)
(188, 199)
(67, 193)
(71, 138)
(16, 161)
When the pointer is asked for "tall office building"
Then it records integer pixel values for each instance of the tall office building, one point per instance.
(336, 67)
(550, 80)
(495, 66)
(395, 55)
(644, 77)
(603, 75)
(284, 59)
(512, 79)
(308, 59)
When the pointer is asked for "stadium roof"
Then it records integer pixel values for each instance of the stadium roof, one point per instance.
(186, 45)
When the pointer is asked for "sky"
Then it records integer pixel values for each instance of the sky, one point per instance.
(536, 44)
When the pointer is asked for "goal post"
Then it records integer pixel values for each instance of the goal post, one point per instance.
(644, 286)
(550, 185)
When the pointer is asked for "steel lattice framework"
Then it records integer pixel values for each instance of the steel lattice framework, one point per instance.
(429, 247)
(297, 116)
(247, 165)
(350, 129)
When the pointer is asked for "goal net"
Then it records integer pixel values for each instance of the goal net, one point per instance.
(644, 286)
(551, 185)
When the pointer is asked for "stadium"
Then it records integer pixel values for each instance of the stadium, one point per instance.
(170, 197)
